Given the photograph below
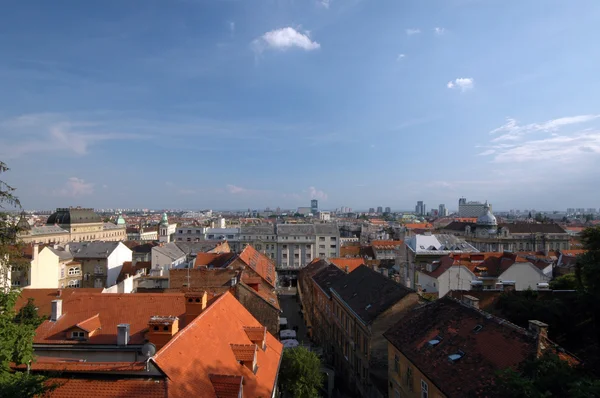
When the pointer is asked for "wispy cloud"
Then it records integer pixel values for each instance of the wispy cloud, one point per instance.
(439, 30)
(284, 39)
(325, 3)
(512, 130)
(234, 189)
(462, 83)
(400, 57)
(232, 28)
(412, 31)
(317, 194)
(74, 188)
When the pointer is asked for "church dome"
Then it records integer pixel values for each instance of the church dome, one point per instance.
(73, 215)
(164, 220)
(487, 218)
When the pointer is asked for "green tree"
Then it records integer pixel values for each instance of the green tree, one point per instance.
(16, 332)
(564, 282)
(300, 375)
(28, 315)
(547, 376)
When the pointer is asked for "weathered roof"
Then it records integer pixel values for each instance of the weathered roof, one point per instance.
(92, 249)
(48, 230)
(295, 229)
(198, 247)
(103, 387)
(326, 277)
(329, 229)
(170, 250)
(496, 345)
(368, 292)
(533, 228)
(260, 263)
(438, 244)
(216, 260)
(263, 229)
(73, 215)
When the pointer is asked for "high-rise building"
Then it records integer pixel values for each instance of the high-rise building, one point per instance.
(471, 209)
(314, 206)
(379, 209)
(388, 210)
(420, 208)
(442, 211)
(371, 210)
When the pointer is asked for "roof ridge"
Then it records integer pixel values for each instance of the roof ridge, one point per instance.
(188, 326)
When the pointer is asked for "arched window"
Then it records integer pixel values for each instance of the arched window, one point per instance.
(74, 283)
(74, 271)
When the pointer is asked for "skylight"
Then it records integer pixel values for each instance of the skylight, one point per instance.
(477, 328)
(457, 356)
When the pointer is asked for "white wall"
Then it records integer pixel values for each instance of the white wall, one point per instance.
(125, 286)
(44, 271)
(525, 275)
(115, 263)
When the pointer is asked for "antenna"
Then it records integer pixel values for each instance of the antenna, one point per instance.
(148, 350)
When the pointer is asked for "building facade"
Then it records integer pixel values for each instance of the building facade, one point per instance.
(471, 209)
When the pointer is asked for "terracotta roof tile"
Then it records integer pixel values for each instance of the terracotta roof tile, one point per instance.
(260, 263)
(44, 364)
(108, 388)
(216, 260)
(350, 250)
(203, 348)
(114, 308)
(43, 297)
(351, 263)
(244, 352)
(91, 324)
(226, 386)
(255, 333)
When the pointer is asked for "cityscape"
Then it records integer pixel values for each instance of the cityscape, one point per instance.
(299, 199)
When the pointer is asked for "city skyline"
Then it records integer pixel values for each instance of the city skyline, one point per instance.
(232, 105)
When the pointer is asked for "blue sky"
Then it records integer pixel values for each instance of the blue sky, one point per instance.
(236, 104)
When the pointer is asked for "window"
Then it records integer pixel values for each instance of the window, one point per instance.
(409, 379)
(333, 246)
(284, 247)
(297, 247)
(308, 247)
(321, 246)
(321, 239)
(189, 231)
(78, 335)
(74, 283)
(424, 389)
(284, 255)
(322, 255)
(296, 255)
(181, 231)
(62, 271)
(98, 269)
(396, 363)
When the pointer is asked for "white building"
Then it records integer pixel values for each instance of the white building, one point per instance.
(472, 209)
(166, 257)
(166, 231)
(101, 262)
(325, 216)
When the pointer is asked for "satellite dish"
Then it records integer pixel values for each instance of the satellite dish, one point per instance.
(148, 350)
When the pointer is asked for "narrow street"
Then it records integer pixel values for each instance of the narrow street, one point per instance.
(291, 310)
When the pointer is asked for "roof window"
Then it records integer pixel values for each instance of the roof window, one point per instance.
(435, 341)
(477, 328)
(457, 356)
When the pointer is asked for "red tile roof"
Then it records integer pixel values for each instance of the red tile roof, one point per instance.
(260, 263)
(217, 260)
(114, 308)
(419, 226)
(226, 386)
(129, 268)
(351, 263)
(203, 348)
(91, 324)
(386, 244)
(244, 352)
(42, 298)
(108, 388)
(44, 364)
(350, 250)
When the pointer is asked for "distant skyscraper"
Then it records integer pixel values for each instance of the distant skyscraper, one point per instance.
(442, 211)
(388, 210)
(379, 209)
(314, 206)
(420, 208)
(371, 210)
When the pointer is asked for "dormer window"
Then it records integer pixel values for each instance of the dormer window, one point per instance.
(78, 335)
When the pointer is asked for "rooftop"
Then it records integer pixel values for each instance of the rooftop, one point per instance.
(92, 249)
(260, 263)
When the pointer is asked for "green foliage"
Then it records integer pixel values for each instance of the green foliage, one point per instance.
(565, 282)
(28, 315)
(548, 376)
(300, 374)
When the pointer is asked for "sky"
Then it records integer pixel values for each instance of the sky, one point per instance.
(247, 104)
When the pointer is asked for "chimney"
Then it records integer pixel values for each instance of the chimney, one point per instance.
(35, 252)
(195, 303)
(470, 301)
(56, 310)
(540, 332)
(122, 334)
(161, 329)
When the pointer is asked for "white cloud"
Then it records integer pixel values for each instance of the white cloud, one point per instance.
(233, 189)
(512, 131)
(325, 3)
(316, 194)
(463, 83)
(232, 27)
(439, 31)
(285, 38)
(411, 32)
(400, 57)
(487, 152)
(74, 188)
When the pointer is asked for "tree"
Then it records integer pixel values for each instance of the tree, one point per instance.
(300, 375)
(16, 332)
(28, 315)
(564, 282)
(547, 376)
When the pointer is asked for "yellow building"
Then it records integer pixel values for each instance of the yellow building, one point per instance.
(73, 224)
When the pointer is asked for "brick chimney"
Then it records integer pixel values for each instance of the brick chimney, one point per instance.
(540, 331)
(195, 303)
(161, 329)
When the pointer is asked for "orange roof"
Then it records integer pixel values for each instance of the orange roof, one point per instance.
(90, 324)
(114, 308)
(380, 244)
(351, 263)
(203, 348)
(217, 260)
(108, 388)
(61, 364)
(42, 298)
(377, 221)
(575, 252)
(260, 263)
(420, 225)
(353, 250)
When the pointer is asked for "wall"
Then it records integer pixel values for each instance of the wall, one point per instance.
(266, 314)
(44, 271)
(115, 262)
(125, 286)
(397, 385)
(526, 276)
